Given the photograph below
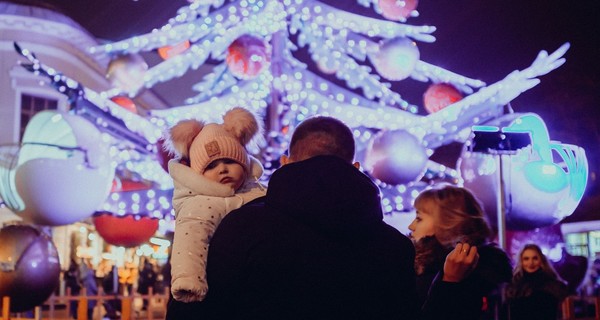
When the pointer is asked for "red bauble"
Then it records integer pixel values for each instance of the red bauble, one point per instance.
(440, 95)
(123, 185)
(125, 102)
(248, 56)
(127, 231)
(168, 52)
(397, 9)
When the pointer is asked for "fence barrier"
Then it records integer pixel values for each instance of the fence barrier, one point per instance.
(58, 307)
(581, 308)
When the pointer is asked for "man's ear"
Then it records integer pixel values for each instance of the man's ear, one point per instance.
(284, 160)
(356, 165)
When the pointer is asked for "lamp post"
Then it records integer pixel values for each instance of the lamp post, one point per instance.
(499, 142)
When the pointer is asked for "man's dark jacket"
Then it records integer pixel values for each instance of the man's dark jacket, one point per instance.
(315, 247)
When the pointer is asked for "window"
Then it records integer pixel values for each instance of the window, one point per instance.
(577, 244)
(594, 238)
(30, 105)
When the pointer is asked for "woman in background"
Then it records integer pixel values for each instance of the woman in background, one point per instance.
(536, 289)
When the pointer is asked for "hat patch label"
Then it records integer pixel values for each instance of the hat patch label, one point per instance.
(212, 148)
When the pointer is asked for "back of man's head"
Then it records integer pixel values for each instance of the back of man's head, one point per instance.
(319, 136)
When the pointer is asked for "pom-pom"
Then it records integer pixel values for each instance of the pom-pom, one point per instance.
(181, 137)
(242, 124)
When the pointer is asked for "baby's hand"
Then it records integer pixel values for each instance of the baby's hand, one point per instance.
(460, 262)
(188, 292)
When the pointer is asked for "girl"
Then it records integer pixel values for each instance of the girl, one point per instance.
(445, 217)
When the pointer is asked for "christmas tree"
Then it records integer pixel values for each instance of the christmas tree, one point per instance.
(292, 59)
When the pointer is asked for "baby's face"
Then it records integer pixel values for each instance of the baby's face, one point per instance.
(226, 171)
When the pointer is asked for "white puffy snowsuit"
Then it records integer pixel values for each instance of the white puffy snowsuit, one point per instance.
(200, 204)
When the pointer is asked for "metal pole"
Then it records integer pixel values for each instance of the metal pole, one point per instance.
(501, 221)
(500, 205)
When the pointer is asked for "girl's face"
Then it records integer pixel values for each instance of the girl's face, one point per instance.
(531, 261)
(226, 171)
(424, 223)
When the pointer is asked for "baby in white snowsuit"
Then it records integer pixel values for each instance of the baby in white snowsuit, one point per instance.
(221, 176)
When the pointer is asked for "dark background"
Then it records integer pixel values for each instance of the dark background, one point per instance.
(478, 39)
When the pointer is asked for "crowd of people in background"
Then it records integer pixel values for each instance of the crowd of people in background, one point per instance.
(114, 282)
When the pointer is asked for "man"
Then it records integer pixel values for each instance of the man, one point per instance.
(315, 247)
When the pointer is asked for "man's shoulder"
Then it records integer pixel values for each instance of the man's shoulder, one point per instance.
(248, 211)
(394, 234)
(256, 205)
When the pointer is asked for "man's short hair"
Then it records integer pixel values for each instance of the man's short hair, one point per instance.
(322, 135)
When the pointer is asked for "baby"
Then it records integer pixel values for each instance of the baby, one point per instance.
(221, 176)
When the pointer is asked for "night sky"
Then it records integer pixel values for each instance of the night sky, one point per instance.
(479, 39)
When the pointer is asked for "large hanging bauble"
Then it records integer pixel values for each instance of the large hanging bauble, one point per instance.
(538, 193)
(396, 58)
(127, 230)
(127, 72)
(527, 207)
(248, 56)
(64, 170)
(29, 266)
(396, 157)
(397, 10)
(440, 95)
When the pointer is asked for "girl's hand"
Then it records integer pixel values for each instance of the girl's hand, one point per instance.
(460, 262)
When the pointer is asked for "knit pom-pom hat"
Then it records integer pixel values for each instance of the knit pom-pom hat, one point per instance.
(204, 143)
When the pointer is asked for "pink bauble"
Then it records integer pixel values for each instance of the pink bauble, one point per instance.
(248, 56)
(127, 231)
(440, 95)
(396, 157)
(397, 9)
(396, 58)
